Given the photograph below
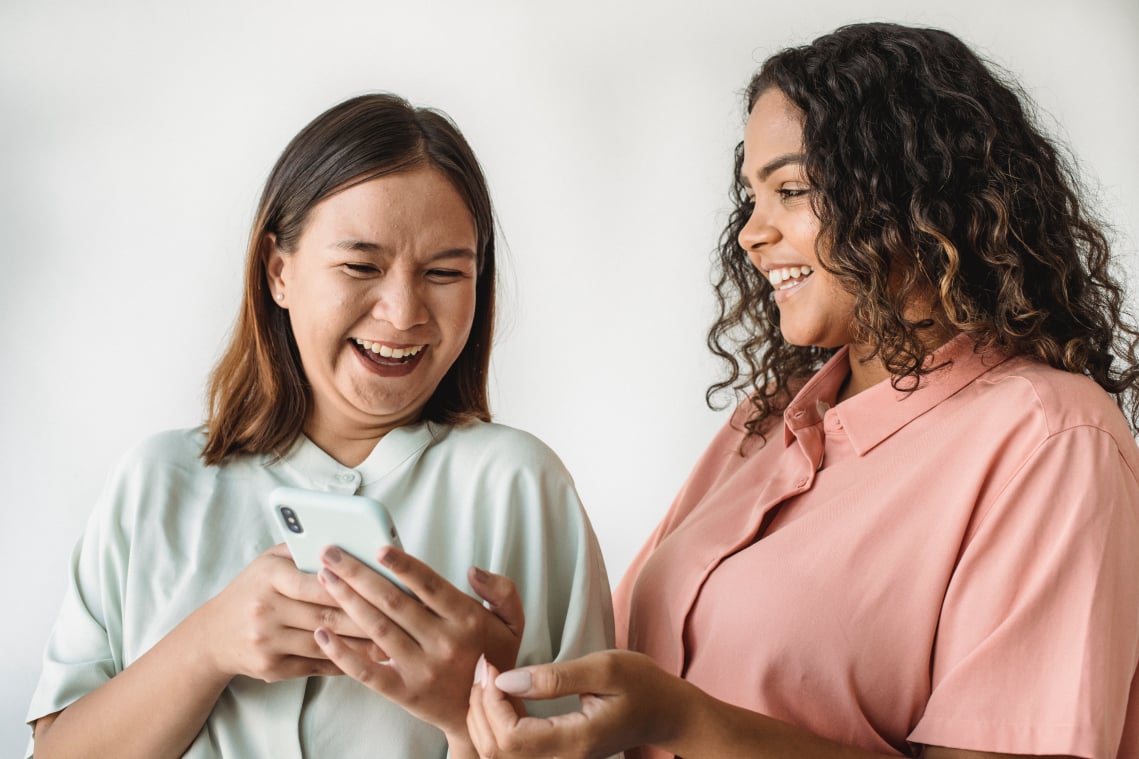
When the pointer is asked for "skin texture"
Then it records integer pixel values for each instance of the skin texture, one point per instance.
(627, 700)
(390, 260)
(783, 230)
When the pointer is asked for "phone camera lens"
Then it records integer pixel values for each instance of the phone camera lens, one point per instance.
(291, 520)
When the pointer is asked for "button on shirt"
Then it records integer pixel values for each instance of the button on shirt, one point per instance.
(956, 566)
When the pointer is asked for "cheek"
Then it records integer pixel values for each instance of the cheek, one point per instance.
(458, 311)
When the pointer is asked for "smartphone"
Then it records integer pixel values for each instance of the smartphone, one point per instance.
(309, 520)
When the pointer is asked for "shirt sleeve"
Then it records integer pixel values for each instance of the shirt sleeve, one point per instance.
(539, 535)
(1038, 639)
(84, 648)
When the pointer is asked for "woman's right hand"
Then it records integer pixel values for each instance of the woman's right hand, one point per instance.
(261, 625)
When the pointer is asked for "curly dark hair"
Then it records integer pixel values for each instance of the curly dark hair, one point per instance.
(930, 179)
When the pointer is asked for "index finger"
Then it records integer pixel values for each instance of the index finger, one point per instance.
(433, 590)
(281, 550)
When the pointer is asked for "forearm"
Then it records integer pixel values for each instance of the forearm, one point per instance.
(151, 709)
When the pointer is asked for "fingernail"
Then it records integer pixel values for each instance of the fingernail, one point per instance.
(516, 681)
(481, 575)
(322, 637)
(480, 670)
(332, 555)
(327, 575)
(387, 557)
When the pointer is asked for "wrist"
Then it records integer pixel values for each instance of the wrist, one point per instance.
(682, 718)
(194, 638)
(459, 745)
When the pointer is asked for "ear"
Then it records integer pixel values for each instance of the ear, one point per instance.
(275, 266)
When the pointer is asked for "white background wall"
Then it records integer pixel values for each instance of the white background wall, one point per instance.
(134, 137)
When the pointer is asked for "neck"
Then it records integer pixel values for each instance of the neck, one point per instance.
(863, 373)
(348, 450)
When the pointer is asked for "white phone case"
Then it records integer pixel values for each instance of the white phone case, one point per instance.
(309, 520)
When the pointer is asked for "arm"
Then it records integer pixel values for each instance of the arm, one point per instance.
(259, 626)
(627, 701)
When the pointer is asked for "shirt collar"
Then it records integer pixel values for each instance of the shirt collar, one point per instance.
(309, 461)
(879, 411)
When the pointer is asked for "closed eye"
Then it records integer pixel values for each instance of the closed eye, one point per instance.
(445, 275)
(361, 270)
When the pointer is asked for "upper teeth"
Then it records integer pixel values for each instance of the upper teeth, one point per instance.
(780, 276)
(387, 351)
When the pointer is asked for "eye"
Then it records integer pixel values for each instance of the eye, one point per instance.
(360, 269)
(445, 275)
(791, 193)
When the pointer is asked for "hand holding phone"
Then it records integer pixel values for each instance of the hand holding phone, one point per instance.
(309, 520)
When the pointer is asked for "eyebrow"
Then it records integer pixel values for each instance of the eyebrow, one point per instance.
(777, 163)
(370, 247)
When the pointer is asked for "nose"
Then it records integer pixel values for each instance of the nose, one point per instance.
(399, 302)
(757, 232)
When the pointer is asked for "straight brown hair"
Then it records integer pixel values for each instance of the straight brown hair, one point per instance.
(258, 395)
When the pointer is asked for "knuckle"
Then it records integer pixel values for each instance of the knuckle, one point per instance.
(392, 598)
(449, 651)
(365, 675)
(431, 585)
(380, 628)
(610, 665)
(329, 617)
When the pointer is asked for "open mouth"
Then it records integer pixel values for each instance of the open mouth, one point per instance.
(786, 277)
(386, 355)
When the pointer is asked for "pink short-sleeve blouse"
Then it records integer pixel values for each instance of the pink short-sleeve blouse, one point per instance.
(958, 566)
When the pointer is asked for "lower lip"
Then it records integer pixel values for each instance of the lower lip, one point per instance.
(782, 295)
(401, 369)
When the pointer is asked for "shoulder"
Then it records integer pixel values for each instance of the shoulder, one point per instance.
(170, 449)
(1061, 400)
(1041, 406)
(167, 467)
(498, 446)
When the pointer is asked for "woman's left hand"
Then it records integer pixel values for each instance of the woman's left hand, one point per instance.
(626, 701)
(432, 643)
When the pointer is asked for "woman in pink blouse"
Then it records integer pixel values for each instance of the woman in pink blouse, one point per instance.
(919, 533)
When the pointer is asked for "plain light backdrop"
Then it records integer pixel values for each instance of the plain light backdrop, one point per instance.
(135, 136)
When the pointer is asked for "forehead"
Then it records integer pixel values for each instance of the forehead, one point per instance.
(422, 202)
(774, 128)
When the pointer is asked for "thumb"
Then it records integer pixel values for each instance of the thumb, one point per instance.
(501, 597)
(589, 674)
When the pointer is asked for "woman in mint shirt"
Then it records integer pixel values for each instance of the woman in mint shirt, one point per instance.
(358, 364)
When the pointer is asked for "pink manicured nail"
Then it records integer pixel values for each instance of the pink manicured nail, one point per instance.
(332, 554)
(481, 575)
(480, 670)
(329, 576)
(322, 637)
(516, 681)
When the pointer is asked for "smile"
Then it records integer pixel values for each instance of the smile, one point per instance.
(386, 351)
(787, 277)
